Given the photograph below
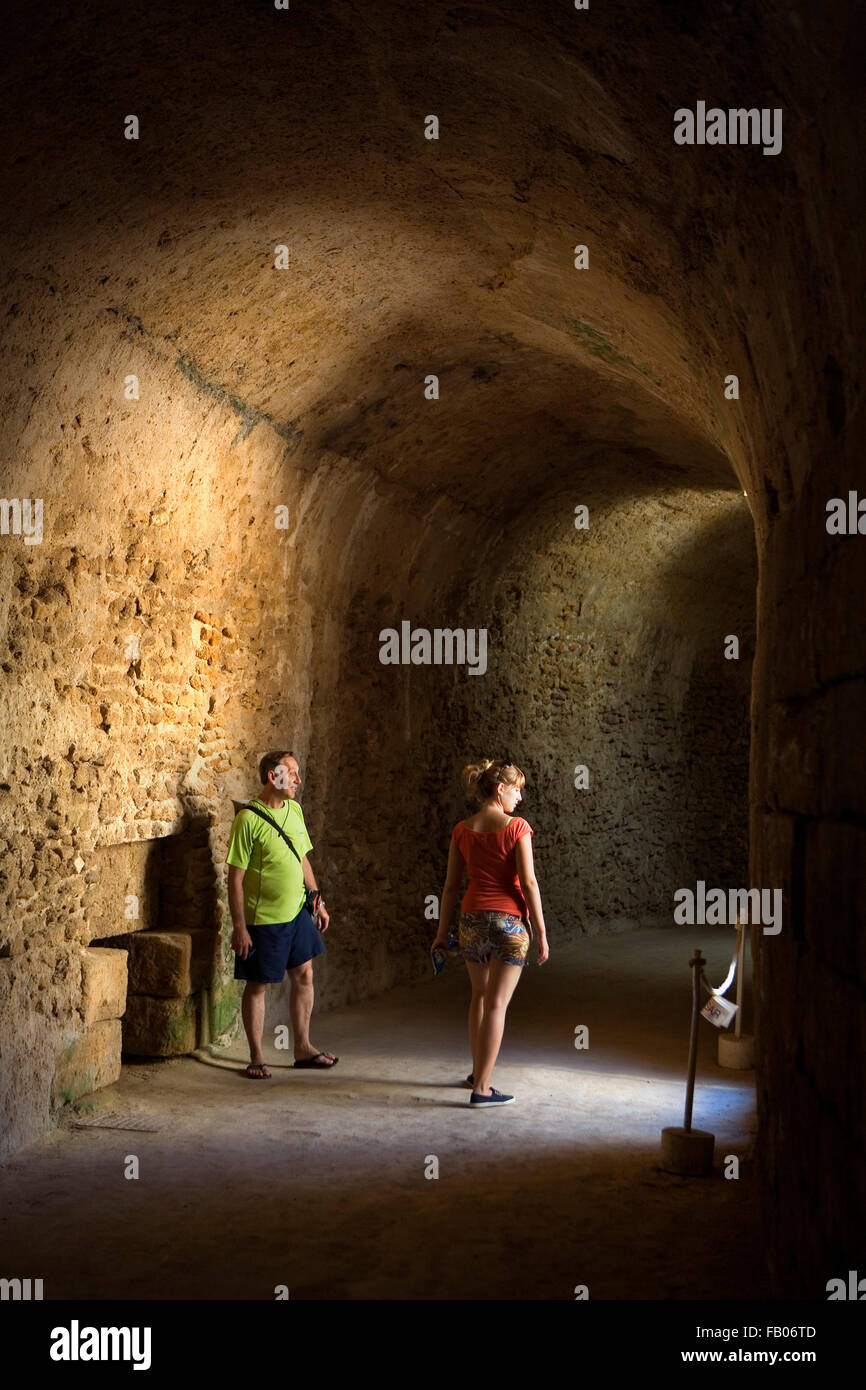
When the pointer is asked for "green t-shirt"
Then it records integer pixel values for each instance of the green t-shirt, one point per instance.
(274, 880)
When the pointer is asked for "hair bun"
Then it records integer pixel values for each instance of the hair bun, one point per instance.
(474, 773)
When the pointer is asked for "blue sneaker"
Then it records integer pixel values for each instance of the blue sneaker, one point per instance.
(495, 1098)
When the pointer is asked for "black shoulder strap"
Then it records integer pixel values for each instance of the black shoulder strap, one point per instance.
(256, 812)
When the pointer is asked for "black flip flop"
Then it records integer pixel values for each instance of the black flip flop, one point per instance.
(312, 1063)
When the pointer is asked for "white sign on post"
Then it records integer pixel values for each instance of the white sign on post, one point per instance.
(718, 1011)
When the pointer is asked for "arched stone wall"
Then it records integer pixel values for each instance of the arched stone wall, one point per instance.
(304, 388)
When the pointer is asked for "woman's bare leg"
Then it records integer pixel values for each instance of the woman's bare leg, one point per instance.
(478, 976)
(501, 984)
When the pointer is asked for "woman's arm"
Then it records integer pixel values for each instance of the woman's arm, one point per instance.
(450, 894)
(529, 887)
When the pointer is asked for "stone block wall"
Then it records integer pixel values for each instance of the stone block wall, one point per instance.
(93, 1060)
(175, 956)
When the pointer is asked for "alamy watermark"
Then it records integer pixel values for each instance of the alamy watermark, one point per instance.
(77, 1343)
(854, 1289)
(736, 126)
(441, 646)
(21, 1290)
(846, 518)
(25, 515)
(718, 908)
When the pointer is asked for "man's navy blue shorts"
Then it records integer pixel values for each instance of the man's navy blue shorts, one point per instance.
(279, 947)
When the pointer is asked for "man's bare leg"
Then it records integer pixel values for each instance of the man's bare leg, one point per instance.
(253, 1015)
(300, 1011)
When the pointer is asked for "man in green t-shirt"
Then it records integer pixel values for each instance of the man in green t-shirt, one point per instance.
(272, 929)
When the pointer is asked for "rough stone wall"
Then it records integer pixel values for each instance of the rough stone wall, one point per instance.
(808, 835)
(145, 665)
(409, 257)
(612, 658)
(605, 648)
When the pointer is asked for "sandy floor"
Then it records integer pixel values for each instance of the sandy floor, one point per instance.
(317, 1182)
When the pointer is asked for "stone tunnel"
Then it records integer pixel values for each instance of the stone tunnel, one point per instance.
(288, 364)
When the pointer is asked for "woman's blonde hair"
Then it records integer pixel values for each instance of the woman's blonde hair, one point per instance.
(480, 779)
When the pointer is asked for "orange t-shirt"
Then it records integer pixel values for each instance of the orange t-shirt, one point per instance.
(491, 862)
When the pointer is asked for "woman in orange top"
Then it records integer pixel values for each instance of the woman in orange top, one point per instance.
(495, 848)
